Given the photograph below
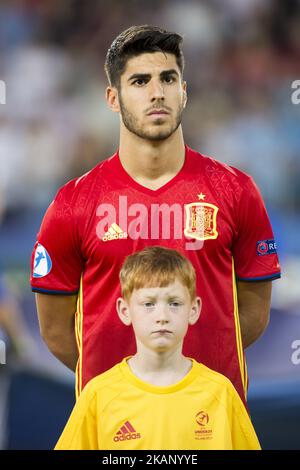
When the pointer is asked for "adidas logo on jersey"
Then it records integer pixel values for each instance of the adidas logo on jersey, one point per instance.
(114, 233)
(126, 433)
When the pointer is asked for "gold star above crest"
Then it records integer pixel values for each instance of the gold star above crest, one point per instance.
(201, 197)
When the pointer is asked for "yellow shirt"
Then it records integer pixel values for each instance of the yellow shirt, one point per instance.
(118, 411)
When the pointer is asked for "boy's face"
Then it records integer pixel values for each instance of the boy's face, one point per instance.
(160, 316)
(151, 97)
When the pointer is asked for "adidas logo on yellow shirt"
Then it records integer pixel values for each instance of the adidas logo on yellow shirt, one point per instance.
(114, 233)
(126, 433)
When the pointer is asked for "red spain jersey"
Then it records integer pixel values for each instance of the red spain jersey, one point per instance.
(210, 212)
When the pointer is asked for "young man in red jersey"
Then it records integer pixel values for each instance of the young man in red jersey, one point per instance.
(154, 190)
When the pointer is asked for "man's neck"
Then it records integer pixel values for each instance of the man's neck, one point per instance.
(160, 369)
(152, 164)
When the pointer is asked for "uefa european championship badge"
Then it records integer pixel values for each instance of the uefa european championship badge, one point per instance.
(201, 221)
(266, 247)
(42, 262)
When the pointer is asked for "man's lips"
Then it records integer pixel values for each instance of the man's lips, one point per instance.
(158, 111)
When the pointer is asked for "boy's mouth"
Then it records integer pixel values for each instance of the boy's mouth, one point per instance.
(163, 332)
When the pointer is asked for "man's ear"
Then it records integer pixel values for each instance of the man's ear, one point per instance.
(112, 98)
(123, 311)
(184, 86)
(195, 311)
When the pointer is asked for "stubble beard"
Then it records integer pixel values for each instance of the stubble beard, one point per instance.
(131, 123)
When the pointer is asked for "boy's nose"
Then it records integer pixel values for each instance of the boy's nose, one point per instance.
(162, 321)
(162, 316)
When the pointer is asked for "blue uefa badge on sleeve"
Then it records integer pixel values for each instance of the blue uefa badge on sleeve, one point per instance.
(42, 262)
(266, 247)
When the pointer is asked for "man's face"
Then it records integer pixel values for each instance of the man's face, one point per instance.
(152, 96)
(160, 315)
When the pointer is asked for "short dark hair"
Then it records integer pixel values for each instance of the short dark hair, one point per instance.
(138, 40)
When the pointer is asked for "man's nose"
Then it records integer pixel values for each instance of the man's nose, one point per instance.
(157, 91)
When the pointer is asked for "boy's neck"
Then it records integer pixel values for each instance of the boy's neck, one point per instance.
(161, 369)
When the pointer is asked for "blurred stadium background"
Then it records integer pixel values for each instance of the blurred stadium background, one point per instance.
(241, 59)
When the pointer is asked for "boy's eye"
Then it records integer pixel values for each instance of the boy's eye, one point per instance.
(149, 304)
(175, 304)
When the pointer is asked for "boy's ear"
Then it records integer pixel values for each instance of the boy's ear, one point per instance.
(195, 311)
(112, 98)
(123, 311)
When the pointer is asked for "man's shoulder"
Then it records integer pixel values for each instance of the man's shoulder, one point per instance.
(83, 185)
(211, 166)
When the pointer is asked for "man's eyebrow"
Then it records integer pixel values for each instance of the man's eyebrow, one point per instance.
(140, 76)
(147, 76)
(169, 72)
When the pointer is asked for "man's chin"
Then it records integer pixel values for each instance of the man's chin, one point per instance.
(158, 135)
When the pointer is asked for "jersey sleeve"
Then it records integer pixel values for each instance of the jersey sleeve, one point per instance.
(80, 432)
(254, 247)
(57, 261)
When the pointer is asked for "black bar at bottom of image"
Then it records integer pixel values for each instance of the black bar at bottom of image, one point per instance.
(136, 459)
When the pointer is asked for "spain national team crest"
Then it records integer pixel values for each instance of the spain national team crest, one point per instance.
(201, 221)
